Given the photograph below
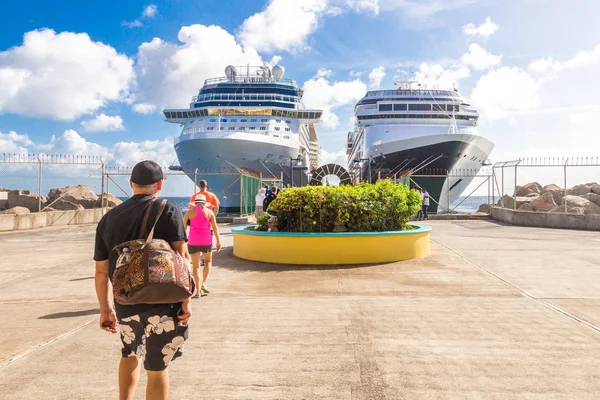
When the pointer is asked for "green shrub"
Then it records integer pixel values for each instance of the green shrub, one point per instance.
(382, 206)
(262, 223)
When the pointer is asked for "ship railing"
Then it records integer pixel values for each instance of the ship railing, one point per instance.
(249, 79)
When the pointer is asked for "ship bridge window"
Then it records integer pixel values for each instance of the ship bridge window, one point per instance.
(242, 128)
(452, 107)
(277, 128)
(243, 120)
(213, 120)
(264, 120)
(278, 120)
(253, 120)
(179, 114)
(263, 128)
(231, 128)
(223, 120)
(288, 121)
(385, 107)
(400, 107)
(419, 107)
(233, 120)
(222, 128)
(252, 128)
(438, 107)
(287, 129)
(210, 128)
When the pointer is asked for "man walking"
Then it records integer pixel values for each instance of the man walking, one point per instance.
(425, 205)
(152, 332)
(212, 202)
(259, 199)
(269, 198)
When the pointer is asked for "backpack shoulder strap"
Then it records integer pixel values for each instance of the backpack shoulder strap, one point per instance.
(163, 204)
(145, 220)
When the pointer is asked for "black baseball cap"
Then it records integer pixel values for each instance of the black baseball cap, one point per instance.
(146, 173)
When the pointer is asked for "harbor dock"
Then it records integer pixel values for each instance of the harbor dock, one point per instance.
(495, 312)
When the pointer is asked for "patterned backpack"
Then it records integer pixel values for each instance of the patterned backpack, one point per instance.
(148, 271)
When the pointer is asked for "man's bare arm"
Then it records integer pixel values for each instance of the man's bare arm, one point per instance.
(108, 318)
(186, 307)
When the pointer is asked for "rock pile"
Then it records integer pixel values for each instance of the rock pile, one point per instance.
(78, 197)
(580, 199)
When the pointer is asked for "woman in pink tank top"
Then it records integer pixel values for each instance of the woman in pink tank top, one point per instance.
(202, 225)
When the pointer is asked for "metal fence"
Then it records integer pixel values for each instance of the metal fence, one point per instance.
(36, 174)
(564, 172)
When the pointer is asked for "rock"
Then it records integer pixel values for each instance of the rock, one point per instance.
(579, 190)
(545, 202)
(64, 205)
(523, 191)
(532, 194)
(24, 198)
(506, 201)
(552, 187)
(110, 201)
(593, 197)
(79, 194)
(534, 187)
(556, 194)
(595, 189)
(525, 207)
(588, 206)
(570, 210)
(484, 208)
(16, 211)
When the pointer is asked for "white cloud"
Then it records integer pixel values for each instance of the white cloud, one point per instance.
(375, 77)
(487, 28)
(371, 6)
(149, 12)
(70, 142)
(549, 66)
(143, 108)
(283, 25)
(479, 58)
(103, 123)
(324, 73)
(12, 142)
(61, 76)
(170, 74)
(322, 94)
(275, 60)
(423, 10)
(504, 91)
(333, 157)
(356, 74)
(435, 76)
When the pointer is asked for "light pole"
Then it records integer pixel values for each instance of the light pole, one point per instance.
(370, 160)
(297, 159)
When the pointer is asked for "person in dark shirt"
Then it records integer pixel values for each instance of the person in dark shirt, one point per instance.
(154, 332)
(270, 197)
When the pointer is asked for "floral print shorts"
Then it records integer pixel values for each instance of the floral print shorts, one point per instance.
(155, 335)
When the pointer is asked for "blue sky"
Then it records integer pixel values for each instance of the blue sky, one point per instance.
(91, 77)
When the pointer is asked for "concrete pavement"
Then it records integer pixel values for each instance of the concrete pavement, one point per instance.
(496, 312)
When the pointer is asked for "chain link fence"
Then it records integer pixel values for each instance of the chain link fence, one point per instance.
(34, 181)
(571, 184)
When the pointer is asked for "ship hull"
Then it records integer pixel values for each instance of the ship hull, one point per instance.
(219, 160)
(432, 158)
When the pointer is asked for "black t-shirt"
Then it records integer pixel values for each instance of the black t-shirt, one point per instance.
(123, 223)
(268, 200)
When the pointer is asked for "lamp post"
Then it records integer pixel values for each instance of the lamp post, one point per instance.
(370, 160)
(297, 159)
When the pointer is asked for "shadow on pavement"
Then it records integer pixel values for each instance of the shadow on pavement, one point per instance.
(81, 279)
(226, 260)
(70, 314)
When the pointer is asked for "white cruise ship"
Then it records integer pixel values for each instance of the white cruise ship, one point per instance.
(426, 132)
(253, 119)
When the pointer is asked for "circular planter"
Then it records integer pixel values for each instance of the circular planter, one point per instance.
(331, 248)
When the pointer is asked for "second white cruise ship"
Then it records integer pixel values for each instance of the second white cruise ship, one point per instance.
(417, 130)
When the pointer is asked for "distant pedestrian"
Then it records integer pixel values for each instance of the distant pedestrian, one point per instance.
(154, 333)
(425, 205)
(211, 199)
(420, 212)
(202, 226)
(260, 198)
(269, 198)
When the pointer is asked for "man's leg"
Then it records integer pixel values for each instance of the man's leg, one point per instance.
(129, 376)
(158, 385)
(425, 212)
